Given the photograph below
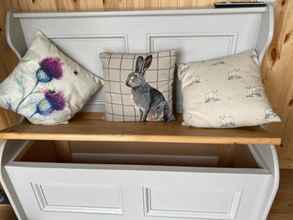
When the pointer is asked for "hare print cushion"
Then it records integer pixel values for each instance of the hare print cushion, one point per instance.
(138, 87)
(47, 87)
(225, 93)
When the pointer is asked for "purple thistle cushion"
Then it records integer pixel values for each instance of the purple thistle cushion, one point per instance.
(56, 99)
(45, 88)
(52, 67)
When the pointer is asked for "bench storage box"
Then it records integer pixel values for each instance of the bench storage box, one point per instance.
(139, 181)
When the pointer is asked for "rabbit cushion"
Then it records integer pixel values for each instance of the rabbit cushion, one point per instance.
(139, 86)
(149, 101)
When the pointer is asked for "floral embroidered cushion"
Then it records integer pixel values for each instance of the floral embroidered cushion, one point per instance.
(225, 93)
(47, 87)
(138, 87)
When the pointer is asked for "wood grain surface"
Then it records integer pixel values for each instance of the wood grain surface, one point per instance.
(93, 128)
(282, 208)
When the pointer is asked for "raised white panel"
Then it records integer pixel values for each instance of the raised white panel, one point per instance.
(196, 34)
(195, 46)
(191, 203)
(177, 192)
(78, 198)
(86, 50)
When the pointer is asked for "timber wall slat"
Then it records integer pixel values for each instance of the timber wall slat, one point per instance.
(278, 76)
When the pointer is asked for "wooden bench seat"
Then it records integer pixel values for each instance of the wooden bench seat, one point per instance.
(90, 127)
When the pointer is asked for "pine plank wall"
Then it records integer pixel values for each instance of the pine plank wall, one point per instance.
(277, 66)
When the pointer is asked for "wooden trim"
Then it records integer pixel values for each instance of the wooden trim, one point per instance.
(90, 127)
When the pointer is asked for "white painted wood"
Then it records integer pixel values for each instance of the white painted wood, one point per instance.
(7, 150)
(267, 156)
(196, 203)
(89, 198)
(197, 34)
(266, 32)
(89, 191)
(14, 35)
(206, 193)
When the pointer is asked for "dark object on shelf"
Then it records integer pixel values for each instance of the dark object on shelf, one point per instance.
(3, 197)
(232, 4)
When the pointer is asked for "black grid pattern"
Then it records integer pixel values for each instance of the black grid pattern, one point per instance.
(119, 105)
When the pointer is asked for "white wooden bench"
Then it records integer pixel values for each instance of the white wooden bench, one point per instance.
(112, 171)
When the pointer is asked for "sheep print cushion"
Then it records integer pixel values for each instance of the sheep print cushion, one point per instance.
(225, 93)
(47, 87)
(138, 87)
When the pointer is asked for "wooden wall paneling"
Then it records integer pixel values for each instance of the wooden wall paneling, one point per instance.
(132, 4)
(119, 4)
(3, 118)
(151, 4)
(60, 5)
(35, 5)
(187, 3)
(276, 64)
(286, 151)
(81, 5)
(201, 3)
(7, 64)
(3, 74)
(278, 76)
(282, 208)
(69, 5)
(169, 3)
(72, 5)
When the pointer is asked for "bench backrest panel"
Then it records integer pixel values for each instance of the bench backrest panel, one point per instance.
(197, 34)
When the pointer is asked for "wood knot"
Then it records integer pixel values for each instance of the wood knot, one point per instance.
(33, 1)
(287, 37)
(1, 29)
(274, 55)
(290, 104)
(283, 2)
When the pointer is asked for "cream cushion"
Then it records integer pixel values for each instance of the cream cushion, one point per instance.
(225, 93)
